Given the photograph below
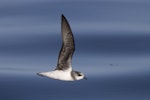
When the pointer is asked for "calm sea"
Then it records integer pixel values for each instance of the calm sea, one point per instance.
(112, 49)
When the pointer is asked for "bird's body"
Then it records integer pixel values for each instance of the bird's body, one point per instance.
(64, 70)
(59, 74)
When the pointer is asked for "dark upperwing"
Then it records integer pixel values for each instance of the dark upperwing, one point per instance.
(68, 46)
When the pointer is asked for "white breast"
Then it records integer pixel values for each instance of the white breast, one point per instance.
(59, 74)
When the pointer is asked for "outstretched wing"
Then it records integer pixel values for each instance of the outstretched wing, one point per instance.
(68, 46)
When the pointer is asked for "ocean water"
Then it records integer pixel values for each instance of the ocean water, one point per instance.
(112, 49)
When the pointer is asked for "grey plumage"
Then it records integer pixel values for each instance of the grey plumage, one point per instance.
(64, 70)
(68, 46)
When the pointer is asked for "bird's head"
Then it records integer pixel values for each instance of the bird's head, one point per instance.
(79, 75)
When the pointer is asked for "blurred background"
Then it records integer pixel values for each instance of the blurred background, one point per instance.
(112, 48)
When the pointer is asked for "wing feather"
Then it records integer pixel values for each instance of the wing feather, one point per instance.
(68, 46)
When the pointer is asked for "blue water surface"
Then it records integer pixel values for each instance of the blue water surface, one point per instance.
(112, 49)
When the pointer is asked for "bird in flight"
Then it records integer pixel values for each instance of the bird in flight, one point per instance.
(64, 70)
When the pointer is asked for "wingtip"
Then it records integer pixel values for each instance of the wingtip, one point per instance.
(64, 19)
(62, 16)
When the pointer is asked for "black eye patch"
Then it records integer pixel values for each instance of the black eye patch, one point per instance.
(79, 75)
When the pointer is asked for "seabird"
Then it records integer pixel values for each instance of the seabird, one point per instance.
(64, 70)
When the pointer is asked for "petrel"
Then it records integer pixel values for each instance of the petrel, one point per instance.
(64, 70)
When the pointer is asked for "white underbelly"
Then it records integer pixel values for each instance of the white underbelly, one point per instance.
(58, 74)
